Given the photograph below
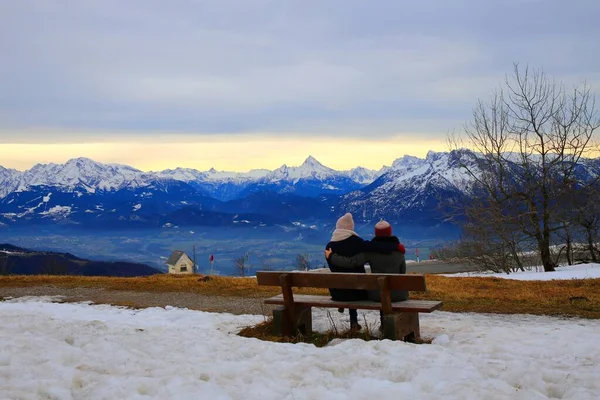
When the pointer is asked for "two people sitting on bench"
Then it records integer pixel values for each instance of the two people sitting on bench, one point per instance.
(347, 252)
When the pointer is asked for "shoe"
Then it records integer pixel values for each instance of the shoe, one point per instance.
(341, 310)
(355, 326)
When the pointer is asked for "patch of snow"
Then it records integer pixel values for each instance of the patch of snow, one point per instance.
(11, 252)
(57, 210)
(47, 198)
(581, 271)
(75, 350)
(35, 299)
(30, 210)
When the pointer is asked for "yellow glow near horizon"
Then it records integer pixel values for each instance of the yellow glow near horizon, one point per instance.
(228, 153)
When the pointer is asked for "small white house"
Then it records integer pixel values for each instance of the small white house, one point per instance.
(180, 263)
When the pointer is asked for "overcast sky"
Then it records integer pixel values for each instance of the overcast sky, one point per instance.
(240, 84)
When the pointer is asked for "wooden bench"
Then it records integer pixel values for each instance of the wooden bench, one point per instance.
(400, 321)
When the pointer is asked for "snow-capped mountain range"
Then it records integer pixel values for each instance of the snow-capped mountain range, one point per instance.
(86, 193)
(89, 176)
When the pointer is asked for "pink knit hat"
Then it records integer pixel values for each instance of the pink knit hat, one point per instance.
(383, 228)
(345, 222)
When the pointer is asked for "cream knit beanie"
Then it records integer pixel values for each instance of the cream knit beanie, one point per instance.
(345, 222)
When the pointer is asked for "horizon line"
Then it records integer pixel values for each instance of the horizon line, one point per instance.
(309, 157)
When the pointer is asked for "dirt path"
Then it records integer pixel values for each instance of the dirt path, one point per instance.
(193, 301)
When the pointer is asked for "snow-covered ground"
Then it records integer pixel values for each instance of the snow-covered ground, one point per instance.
(83, 351)
(582, 271)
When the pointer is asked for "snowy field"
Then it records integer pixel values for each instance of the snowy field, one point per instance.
(582, 271)
(84, 351)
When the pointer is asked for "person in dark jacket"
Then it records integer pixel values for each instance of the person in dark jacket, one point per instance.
(390, 263)
(346, 242)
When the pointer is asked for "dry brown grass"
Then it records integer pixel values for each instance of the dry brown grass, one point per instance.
(207, 285)
(576, 298)
(263, 331)
(215, 285)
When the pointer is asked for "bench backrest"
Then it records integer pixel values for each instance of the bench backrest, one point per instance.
(411, 282)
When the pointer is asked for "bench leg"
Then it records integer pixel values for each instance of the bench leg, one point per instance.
(401, 326)
(302, 321)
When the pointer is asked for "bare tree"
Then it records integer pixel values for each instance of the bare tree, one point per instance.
(587, 219)
(302, 262)
(532, 135)
(240, 265)
(5, 265)
(591, 226)
(266, 264)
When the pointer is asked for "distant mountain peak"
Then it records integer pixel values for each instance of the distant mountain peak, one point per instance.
(407, 163)
(12, 170)
(81, 160)
(408, 157)
(363, 175)
(312, 162)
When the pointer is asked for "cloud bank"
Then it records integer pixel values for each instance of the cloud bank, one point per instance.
(348, 68)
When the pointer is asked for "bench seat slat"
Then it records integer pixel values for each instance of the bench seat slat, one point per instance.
(309, 300)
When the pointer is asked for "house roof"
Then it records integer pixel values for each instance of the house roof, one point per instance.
(175, 256)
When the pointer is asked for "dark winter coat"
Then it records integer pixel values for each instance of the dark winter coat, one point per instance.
(350, 247)
(390, 263)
